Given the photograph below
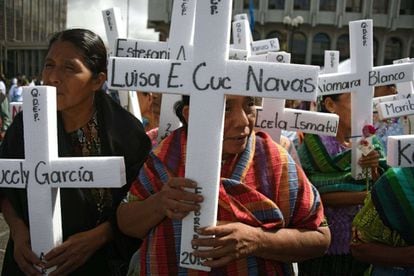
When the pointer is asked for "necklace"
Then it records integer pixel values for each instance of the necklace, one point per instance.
(86, 142)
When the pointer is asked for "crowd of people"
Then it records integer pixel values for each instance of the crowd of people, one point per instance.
(273, 211)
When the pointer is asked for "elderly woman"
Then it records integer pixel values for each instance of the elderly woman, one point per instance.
(89, 124)
(269, 214)
(326, 161)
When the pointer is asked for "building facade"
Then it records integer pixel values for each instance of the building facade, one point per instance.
(25, 27)
(323, 25)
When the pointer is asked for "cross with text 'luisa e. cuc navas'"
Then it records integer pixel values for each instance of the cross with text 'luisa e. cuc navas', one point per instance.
(361, 82)
(207, 78)
(42, 172)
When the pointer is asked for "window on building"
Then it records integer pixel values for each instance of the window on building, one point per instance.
(412, 50)
(393, 50)
(276, 5)
(407, 7)
(256, 36)
(320, 43)
(255, 3)
(298, 48)
(380, 6)
(353, 6)
(301, 5)
(342, 45)
(327, 5)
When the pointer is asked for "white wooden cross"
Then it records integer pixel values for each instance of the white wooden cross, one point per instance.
(207, 78)
(273, 117)
(361, 81)
(400, 151)
(398, 105)
(114, 28)
(42, 172)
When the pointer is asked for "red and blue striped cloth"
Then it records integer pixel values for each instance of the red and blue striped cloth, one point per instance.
(261, 187)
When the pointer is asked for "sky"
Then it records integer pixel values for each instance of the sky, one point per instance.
(88, 14)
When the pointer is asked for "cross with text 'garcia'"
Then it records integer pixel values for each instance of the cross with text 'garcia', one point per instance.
(42, 172)
(207, 77)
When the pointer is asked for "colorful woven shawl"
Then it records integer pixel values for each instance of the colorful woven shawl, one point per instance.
(261, 187)
(328, 174)
(388, 214)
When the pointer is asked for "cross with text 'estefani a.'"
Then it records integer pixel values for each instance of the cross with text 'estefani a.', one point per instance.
(207, 78)
(178, 47)
(42, 172)
(361, 81)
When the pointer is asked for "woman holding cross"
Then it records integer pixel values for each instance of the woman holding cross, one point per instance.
(268, 215)
(327, 162)
(90, 123)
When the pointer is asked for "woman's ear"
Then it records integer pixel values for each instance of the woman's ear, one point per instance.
(99, 80)
(330, 105)
(185, 112)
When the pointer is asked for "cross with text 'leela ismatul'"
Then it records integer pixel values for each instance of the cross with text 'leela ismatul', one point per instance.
(207, 78)
(361, 82)
(42, 172)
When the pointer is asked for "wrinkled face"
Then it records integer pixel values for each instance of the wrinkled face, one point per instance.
(65, 69)
(238, 124)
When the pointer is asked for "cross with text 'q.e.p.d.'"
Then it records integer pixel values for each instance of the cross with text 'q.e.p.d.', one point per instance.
(114, 28)
(207, 78)
(361, 82)
(398, 105)
(42, 172)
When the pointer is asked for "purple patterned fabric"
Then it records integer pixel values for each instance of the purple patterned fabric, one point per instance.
(332, 146)
(339, 219)
(340, 223)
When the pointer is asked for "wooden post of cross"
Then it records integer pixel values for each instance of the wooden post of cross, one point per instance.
(207, 78)
(361, 82)
(42, 172)
(180, 41)
(114, 28)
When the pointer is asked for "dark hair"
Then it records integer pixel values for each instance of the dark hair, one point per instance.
(178, 108)
(90, 44)
(321, 105)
